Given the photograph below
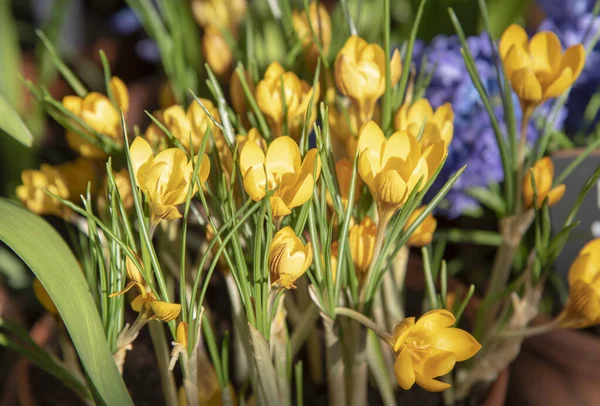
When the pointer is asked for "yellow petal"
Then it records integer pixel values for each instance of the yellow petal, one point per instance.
(583, 269)
(573, 58)
(592, 248)
(182, 333)
(404, 371)
(312, 163)
(431, 385)
(435, 155)
(560, 84)
(141, 155)
(370, 137)
(437, 363)
(401, 331)
(165, 311)
(250, 155)
(137, 304)
(432, 321)
(456, 341)
(300, 193)
(395, 68)
(545, 51)
(278, 207)
(164, 212)
(420, 172)
(283, 156)
(73, 104)
(368, 168)
(526, 85)
(555, 195)
(515, 34)
(254, 182)
(120, 93)
(400, 146)
(391, 189)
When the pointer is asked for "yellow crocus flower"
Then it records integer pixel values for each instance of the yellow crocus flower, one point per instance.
(281, 171)
(439, 123)
(424, 233)
(360, 74)
(216, 51)
(288, 258)
(293, 100)
(77, 174)
(318, 19)
(538, 69)
(32, 192)
(164, 178)
(361, 240)
(192, 124)
(583, 306)
(222, 13)
(392, 167)
(237, 95)
(182, 334)
(100, 114)
(543, 173)
(429, 348)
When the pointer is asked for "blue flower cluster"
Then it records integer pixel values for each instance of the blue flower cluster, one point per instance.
(573, 22)
(474, 143)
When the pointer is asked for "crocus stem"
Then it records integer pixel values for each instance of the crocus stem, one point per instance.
(384, 219)
(161, 350)
(365, 321)
(521, 158)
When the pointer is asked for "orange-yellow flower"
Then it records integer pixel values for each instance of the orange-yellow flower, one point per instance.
(429, 348)
(360, 74)
(343, 171)
(281, 171)
(583, 306)
(361, 240)
(283, 98)
(317, 21)
(100, 114)
(543, 173)
(190, 127)
(216, 51)
(165, 178)
(222, 13)
(538, 69)
(424, 232)
(392, 167)
(439, 123)
(288, 258)
(32, 192)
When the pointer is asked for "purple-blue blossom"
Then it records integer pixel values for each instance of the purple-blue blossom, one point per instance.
(474, 143)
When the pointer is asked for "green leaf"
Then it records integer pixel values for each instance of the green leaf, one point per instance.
(49, 257)
(266, 376)
(12, 124)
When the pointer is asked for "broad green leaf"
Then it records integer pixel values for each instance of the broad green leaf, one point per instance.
(12, 124)
(49, 257)
(265, 372)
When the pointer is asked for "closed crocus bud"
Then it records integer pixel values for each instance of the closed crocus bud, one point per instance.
(281, 170)
(360, 74)
(165, 178)
(317, 21)
(538, 69)
(583, 306)
(222, 13)
(190, 127)
(32, 192)
(133, 272)
(288, 258)
(236, 92)
(392, 167)
(343, 171)
(429, 348)
(182, 334)
(424, 232)
(77, 174)
(436, 125)
(43, 297)
(297, 95)
(361, 240)
(543, 173)
(216, 51)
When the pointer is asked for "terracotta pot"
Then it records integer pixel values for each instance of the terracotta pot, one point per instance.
(558, 368)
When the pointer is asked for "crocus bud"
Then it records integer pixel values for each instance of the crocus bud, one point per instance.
(288, 258)
(424, 232)
(543, 173)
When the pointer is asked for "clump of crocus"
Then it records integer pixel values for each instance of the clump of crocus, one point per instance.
(216, 51)
(543, 174)
(423, 234)
(191, 126)
(288, 258)
(583, 306)
(360, 74)
(315, 24)
(32, 193)
(361, 240)
(439, 123)
(428, 348)
(281, 171)
(98, 113)
(538, 69)
(283, 98)
(165, 178)
(392, 167)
